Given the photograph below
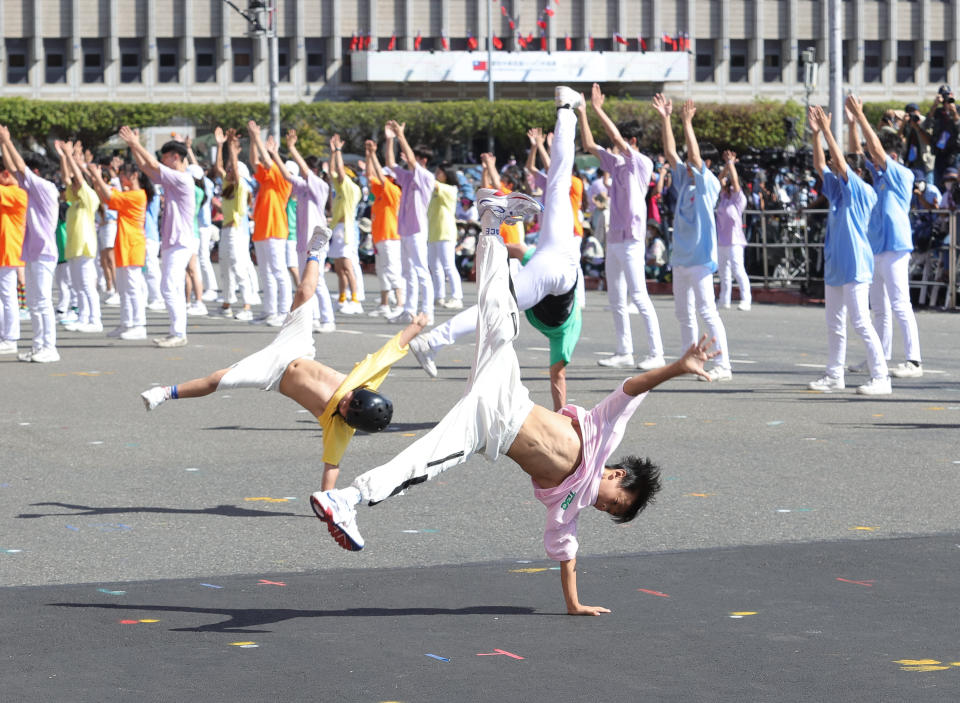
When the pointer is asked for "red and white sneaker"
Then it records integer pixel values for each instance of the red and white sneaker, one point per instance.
(341, 518)
(505, 207)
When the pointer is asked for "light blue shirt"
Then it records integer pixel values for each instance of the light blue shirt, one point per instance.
(889, 228)
(151, 223)
(694, 226)
(204, 217)
(847, 256)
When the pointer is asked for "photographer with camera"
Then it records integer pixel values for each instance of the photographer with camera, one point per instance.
(916, 154)
(943, 124)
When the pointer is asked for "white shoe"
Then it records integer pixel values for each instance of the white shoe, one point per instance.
(453, 304)
(171, 341)
(244, 316)
(341, 518)
(617, 361)
(116, 331)
(45, 356)
(725, 306)
(401, 318)
(744, 305)
(226, 312)
(8, 347)
(113, 298)
(325, 327)
(381, 311)
(274, 321)
(827, 384)
(858, 368)
(198, 308)
(89, 327)
(131, 333)
(652, 362)
(260, 319)
(73, 326)
(67, 317)
(156, 306)
(907, 370)
(718, 374)
(567, 97)
(424, 355)
(209, 295)
(27, 355)
(153, 397)
(509, 208)
(876, 386)
(352, 307)
(319, 240)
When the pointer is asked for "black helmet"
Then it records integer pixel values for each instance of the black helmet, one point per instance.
(369, 411)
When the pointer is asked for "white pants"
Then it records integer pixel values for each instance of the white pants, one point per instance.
(320, 305)
(692, 295)
(389, 269)
(130, 286)
(151, 270)
(443, 269)
(9, 307)
(890, 292)
(731, 266)
(203, 254)
(39, 275)
(418, 286)
(293, 257)
(83, 276)
(494, 405)
(840, 299)
(234, 265)
(61, 283)
(274, 278)
(553, 268)
(354, 256)
(626, 282)
(173, 277)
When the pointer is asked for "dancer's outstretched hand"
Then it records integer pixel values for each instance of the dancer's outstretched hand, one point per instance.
(697, 355)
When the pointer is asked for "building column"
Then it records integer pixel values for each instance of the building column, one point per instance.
(722, 73)
(74, 50)
(921, 74)
(856, 61)
(888, 51)
(621, 23)
(336, 47)
(755, 49)
(792, 54)
(953, 44)
(405, 42)
(111, 72)
(587, 30)
(224, 51)
(187, 51)
(298, 52)
(149, 65)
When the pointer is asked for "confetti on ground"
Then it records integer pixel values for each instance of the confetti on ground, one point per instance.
(868, 582)
(409, 434)
(531, 570)
(71, 527)
(11, 551)
(922, 665)
(437, 657)
(736, 615)
(264, 582)
(862, 528)
(699, 495)
(649, 424)
(415, 532)
(878, 415)
(111, 593)
(774, 423)
(24, 424)
(495, 652)
(96, 441)
(210, 585)
(266, 499)
(244, 645)
(793, 510)
(936, 407)
(137, 622)
(191, 469)
(653, 593)
(678, 417)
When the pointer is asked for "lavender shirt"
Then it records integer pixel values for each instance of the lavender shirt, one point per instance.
(730, 219)
(417, 187)
(311, 194)
(43, 208)
(179, 209)
(629, 178)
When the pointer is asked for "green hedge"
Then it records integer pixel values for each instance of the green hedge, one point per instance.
(758, 124)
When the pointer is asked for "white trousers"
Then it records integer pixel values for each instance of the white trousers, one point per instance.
(626, 283)
(321, 306)
(39, 279)
(151, 270)
(418, 286)
(852, 297)
(495, 402)
(9, 306)
(173, 277)
(693, 295)
(83, 276)
(731, 267)
(389, 268)
(234, 265)
(443, 269)
(66, 298)
(890, 293)
(203, 254)
(274, 278)
(131, 286)
(553, 269)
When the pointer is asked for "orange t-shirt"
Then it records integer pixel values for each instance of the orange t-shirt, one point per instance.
(386, 205)
(576, 201)
(270, 210)
(13, 223)
(131, 207)
(511, 234)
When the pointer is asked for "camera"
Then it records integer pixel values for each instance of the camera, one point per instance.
(915, 117)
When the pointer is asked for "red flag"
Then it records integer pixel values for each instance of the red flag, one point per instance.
(416, 41)
(530, 38)
(393, 42)
(643, 44)
(619, 38)
(591, 42)
(354, 42)
(512, 25)
(471, 42)
(503, 11)
(543, 42)
(521, 41)
(686, 41)
(548, 11)
(443, 42)
(667, 41)
(567, 43)
(542, 25)
(367, 41)
(497, 44)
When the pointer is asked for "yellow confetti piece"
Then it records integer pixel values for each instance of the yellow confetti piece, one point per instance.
(265, 499)
(149, 621)
(59, 375)
(744, 612)
(649, 424)
(699, 495)
(923, 668)
(863, 529)
(954, 663)
(240, 644)
(527, 571)
(916, 662)
(878, 414)
(409, 434)
(936, 407)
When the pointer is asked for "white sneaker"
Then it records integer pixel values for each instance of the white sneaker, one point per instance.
(73, 326)
(226, 312)
(274, 321)
(341, 518)
(260, 319)
(156, 306)
(617, 361)
(652, 362)
(453, 304)
(138, 332)
(725, 306)
(27, 355)
(827, 384)
(510, 207)
(401, 318)
(424, 355)
(858, 368)
(244, 315)
(567, 97)
(744, 305)
(352, 307)
(153, 397)
(319, 239)
(116, 331)
(8, 347)
(171, 341)
(209, 295)
(113, 298)
(718, 374)
(907, 370)
(89, 327)
(67, 317)
(197, 308)
(45, 356)
(326, 327)
(380, 311)
(876, 386)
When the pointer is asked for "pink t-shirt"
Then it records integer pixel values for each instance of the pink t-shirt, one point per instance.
(730, 209)
(601, 429)
(179, 209)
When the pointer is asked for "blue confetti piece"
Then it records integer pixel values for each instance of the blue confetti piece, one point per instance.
(210, 585)
(437, 657)
(11, 551)
(111, 593)
(71, 527)
(774, 423)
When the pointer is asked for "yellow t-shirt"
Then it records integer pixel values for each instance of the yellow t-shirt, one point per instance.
(345, 202)
(235, 207)
(369, 373)
(441, 214)
(81, 224)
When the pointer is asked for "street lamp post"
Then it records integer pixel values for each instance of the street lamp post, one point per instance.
(261, 16)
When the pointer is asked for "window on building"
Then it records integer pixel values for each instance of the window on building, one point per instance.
(131, 61)
(283, 59)
(872, 62)
(804, 45)
(905, 61)
(938, 62)
(738, 61)
(55, 60)
(346, 66)
(316, 67)
(772, 61)
(205, 60)
(599, 43)
(168, 60)
(242, 60)
(704, 60)
(849, 49)
(18, 65)
(93, 61)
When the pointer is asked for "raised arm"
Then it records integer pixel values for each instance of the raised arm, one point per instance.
(687, 111)
(258, 150)
(191, 157)
(853, 139)
(233, 153)
(145, 161)
(854, 107)
(691, 362)
(64, 166)
(398, 129)
(374, 170)
(813, 122)
(295, 154)
(837, 158)
(664, 108)
(221, 139)
(104, 190)
(533, 135)
(491, 177)
(596, 100)
(586, 136)
(336, 158)
(11, 156)
(389, 157)
(274, 151)
(730, 159)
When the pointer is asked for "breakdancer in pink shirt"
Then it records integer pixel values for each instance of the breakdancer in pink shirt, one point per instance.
(566, 453)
